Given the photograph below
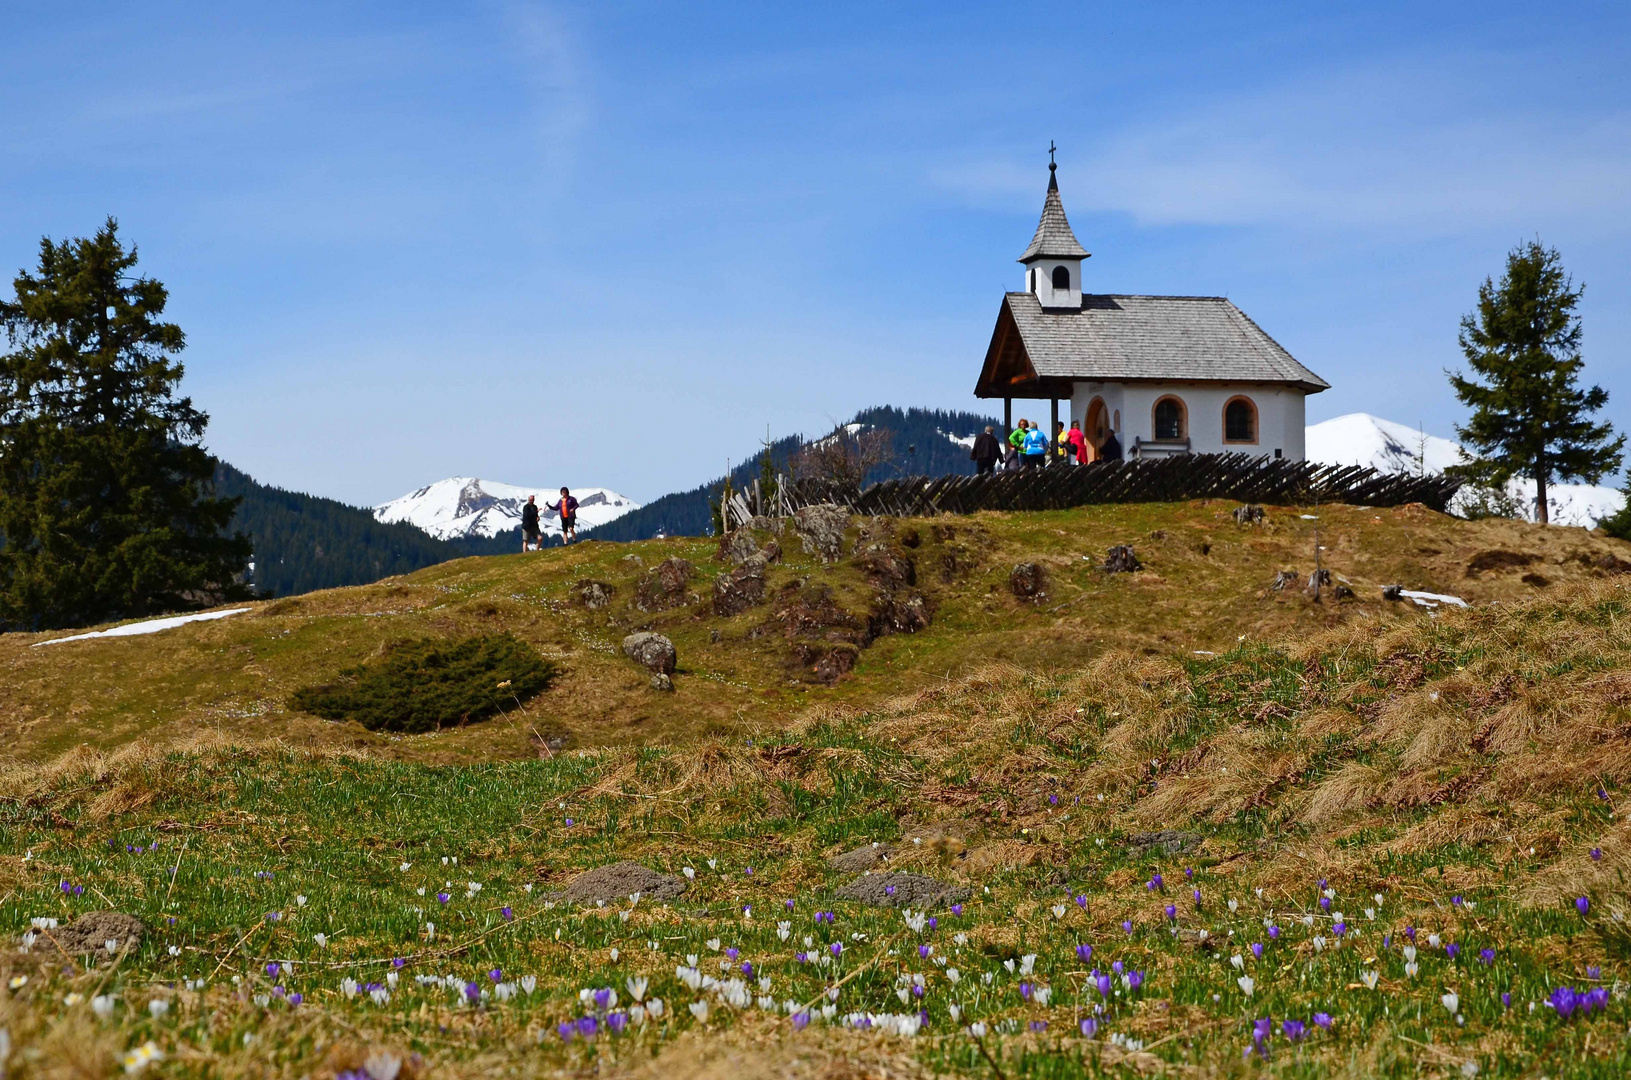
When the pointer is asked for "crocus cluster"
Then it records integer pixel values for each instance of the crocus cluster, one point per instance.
(1568, 1001)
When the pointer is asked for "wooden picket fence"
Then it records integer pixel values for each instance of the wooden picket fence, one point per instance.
(1238, 477)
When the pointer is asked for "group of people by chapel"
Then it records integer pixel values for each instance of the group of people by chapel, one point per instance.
(1028, 446)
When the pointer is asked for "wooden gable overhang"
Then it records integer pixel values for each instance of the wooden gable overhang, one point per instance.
(1008, 371)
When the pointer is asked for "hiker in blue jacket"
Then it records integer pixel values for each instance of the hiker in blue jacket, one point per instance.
(1036, 446)
(568, 509)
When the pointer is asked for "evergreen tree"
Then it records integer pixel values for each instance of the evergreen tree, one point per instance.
(1529, 417)
(106, 504)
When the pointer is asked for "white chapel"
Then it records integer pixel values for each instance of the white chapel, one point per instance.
(1169, 374)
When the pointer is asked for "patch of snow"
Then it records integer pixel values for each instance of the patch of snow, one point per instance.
(150, 626)
(1363, 439)
(965, 441)
(1431, 599)
(463, 506)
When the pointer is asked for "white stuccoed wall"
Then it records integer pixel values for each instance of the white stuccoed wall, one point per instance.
(1280, 414)
(1046, 295)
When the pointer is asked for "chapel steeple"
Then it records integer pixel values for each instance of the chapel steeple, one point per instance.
(1053, 261)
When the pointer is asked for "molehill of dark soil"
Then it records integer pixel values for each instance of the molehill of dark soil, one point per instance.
(619, 881)
(91, 932)
(862, 858)
(901, 890)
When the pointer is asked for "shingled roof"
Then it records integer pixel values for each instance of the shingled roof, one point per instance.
(1141, 338)
(1053, 239)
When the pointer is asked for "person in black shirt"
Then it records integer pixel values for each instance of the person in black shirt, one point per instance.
(1110, 449)
(530, 537)
(986, 451)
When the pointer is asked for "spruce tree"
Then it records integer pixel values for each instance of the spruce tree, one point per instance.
(107, 508)
(1530, 418)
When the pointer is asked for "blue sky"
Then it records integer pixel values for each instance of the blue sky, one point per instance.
(609, 243)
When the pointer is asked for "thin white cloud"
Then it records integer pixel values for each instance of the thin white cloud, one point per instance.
(551, 62)
(1433, 148)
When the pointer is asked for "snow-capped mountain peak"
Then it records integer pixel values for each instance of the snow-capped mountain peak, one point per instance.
(465, 506)
(1363, 439)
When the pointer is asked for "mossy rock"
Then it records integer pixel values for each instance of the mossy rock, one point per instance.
(424, 684)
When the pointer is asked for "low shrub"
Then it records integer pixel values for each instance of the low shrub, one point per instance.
(424, 684)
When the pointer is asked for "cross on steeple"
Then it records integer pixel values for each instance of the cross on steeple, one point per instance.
(1051, 149)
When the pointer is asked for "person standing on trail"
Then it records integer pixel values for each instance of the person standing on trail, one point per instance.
(986, 451)
(530, 536)
(568, 509)
(1036, 446)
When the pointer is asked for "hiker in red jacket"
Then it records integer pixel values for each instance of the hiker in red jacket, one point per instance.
(568, 509)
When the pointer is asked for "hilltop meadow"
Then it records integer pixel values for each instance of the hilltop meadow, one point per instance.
(893, 820)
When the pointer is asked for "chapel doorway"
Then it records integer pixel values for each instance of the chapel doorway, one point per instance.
(1096, 427)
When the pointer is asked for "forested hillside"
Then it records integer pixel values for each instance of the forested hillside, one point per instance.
(303, 542)
(922, 446)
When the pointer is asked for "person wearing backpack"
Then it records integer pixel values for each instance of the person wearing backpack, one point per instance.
(568, 509)
(530, 536)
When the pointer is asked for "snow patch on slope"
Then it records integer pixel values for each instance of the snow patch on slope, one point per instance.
(1363, 439)
(463, 506)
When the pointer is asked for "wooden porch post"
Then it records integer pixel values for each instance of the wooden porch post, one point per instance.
(1007, 416)
(1053, 429)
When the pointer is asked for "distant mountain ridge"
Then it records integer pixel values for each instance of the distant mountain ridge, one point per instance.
(927, 442)
(465, 507)
(304, 542)
(1363, 439)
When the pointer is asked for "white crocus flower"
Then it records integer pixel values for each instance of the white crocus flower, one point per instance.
(637, 986)
(321, 939)
(158, 1007)
(1451, 1002)
(1247, 984)
(690, 874)
(699, 1009)
(1370, 978)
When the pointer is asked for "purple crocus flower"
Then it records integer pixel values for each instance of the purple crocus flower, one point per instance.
(1127, 925)
(472, 992)
(279, 991)
(496, 974)
(1257, 950)
(836, 948)
(801, 1020)
(1596, 854)
(747, 968)
(803, 958)
(934, 923)
(1563, 1000)
(1102, 983)
(1323, 1020)
(889, 890)
(1506, 1001)
(616, 1021)
(957, 909)
(923, 951)
(1039, 1025)
(80, 889)
(1084, 953)
(1410, 932)
(1053, 800)
(443, 897)
(397, 961)
(295, 999)
(273, 968)
(1172, 912)
(1155, 880)
(1452, 950)
(1294, 1029)
(1197, 898)
(1135, 979)
(1189, 873)
(748, 871)
(507, 913)
(1594, 972)
(1456, 901)
(1486, 956)
(587, 1026)
(566, 1031)
(1325, 903)
(1274, 933)
(1582, 904)
(732, 953)
(1118, 967)
(1081, 902)
(1025, 990)
(1090, 1027)
(1322, 884)
(568, 823)
(603, 997)
(273, 916)
(1339, 928)
(788, 904)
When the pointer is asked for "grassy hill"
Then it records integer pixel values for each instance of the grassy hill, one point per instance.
(1360, 843)
(1206, 584)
